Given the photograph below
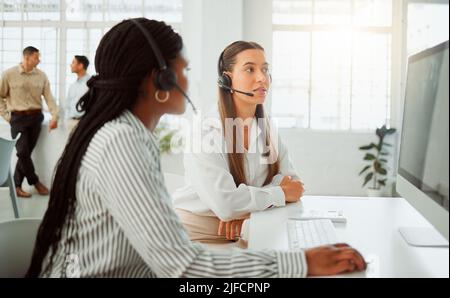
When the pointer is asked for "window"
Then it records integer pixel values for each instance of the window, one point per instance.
(45, 39)
(332, 63)
(85, 10)
(81, 42)
(11, 41)
(40, 10)
(14, 39)
(61, 29)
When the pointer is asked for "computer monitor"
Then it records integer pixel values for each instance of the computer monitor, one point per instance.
(423, 171)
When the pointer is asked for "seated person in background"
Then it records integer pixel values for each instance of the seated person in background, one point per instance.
(79, 66)
(247, 171)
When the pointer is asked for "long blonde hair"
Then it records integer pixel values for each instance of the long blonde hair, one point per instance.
(227, 110)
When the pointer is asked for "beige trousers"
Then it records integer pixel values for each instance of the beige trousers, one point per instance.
(203, 229)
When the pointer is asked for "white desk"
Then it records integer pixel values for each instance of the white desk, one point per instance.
(372, 228)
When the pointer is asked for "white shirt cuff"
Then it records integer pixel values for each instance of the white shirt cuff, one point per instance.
(276, 180)
(277, 195)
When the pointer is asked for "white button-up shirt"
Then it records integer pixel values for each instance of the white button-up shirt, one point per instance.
(76, 91)
(210, 189)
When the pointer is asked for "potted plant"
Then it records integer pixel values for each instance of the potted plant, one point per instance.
(164, 135)
(377, 156)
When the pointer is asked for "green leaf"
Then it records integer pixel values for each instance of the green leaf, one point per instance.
(382, 182)
(164, 135)
(369, 156)
(384, 153)
(368, 178)
(365, 169)
(377, 146)
(387, 144)
(376, 165)
(382, 160)
(368, 147)
(379, 132)
(381, 170)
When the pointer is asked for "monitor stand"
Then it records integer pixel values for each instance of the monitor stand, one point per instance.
(423, 237)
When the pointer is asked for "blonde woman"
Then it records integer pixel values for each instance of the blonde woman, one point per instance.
(248, 168)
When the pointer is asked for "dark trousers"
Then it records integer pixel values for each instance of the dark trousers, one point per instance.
(29, 126)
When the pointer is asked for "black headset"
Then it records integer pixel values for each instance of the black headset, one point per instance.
(165, 78)
(224, 80)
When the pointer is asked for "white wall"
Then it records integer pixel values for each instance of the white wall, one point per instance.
(47, 152)
(327, 162)
(208, 27)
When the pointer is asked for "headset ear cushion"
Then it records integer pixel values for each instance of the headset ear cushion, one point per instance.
(165, 79)
(225, 80)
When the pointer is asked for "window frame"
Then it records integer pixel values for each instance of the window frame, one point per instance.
(395, 31)
(61, 26)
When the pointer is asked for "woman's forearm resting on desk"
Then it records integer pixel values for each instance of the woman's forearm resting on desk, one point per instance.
(293, 189)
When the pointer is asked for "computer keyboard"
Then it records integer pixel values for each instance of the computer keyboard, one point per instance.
(303, 234)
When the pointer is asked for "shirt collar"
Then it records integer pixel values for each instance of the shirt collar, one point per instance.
(84, 78)
(22, 70)
(137, 124)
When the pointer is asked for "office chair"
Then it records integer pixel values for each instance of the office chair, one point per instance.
(17, 238)
(6, 178)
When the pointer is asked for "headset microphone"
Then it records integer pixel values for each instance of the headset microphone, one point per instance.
(186, 96)
(224, 82)
(234, 90)
(165, 78)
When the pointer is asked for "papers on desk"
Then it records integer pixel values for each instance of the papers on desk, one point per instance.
(336, 216)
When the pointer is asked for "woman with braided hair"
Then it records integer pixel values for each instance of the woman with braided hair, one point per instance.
(109, 213)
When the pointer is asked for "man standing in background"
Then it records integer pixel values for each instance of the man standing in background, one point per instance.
(21, 88)
(76, 90)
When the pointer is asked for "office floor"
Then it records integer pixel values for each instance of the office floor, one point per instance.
(33, 207)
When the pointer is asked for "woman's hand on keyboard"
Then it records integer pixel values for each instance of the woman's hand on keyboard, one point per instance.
(293, 189)
(334, 259)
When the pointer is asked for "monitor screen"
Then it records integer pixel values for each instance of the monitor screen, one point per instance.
(424, 154)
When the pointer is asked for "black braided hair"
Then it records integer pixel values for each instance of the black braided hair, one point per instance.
(123, 60)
